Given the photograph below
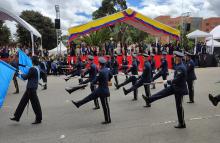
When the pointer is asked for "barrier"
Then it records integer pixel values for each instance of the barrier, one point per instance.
(157, 59)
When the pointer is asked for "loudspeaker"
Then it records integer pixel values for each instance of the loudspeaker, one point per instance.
(188, 25)
(57, 23)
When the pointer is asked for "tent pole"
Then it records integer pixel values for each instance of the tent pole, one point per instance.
(212, 45)
(32, 43)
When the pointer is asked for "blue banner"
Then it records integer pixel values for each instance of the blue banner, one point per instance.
(25, 61)
(6, 75)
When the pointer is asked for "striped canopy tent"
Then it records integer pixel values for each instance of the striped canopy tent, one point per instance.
(130, 17)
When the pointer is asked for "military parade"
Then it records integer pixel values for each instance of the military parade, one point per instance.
(116, 75)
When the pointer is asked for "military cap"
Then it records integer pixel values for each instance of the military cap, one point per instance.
(134, 55)
(178, 54)
(164, 53)
(102, 60)
(152, 55)
(188, 54)
(145, 55)
(90, 57)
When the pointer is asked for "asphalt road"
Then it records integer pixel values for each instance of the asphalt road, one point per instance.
(131, 123)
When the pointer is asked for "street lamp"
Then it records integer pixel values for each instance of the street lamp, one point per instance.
(183, 15)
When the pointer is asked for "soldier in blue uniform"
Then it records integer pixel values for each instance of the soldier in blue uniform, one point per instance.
(191, 76)
(102, 92)
(77, 69)
(214, 100)
(92, 71)
(115, 68)
(144, 79)
(33, 77)
(177, 86)
(109, 62)
(153, 68)
(124, 65)
(134, 72)
(163, 70)
(43, 72)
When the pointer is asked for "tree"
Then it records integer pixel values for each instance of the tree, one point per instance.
(43, 24)
(109, 7)
(5, 33)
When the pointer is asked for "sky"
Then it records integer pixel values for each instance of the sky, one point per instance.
(75, 12)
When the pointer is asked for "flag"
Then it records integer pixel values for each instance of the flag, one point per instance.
(24, 60)
(6, 75)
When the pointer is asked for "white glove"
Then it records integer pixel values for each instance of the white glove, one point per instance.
(20, 72)
(165, 82)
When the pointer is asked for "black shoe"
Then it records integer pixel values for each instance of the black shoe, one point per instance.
(75, 104)
(14, 119)
(179, 126)
(135, 99)
(116, 86)
(147, 106)
(190, 102)
(16, 92)
(146, 99)
(36, 122)
(125, 91)
(106, 122)
(66, 79)
(68, 90)
(212, 99)
(96, 108)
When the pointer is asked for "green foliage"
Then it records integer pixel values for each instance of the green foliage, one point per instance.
(108, 7)
(4, 33)
(43, 24)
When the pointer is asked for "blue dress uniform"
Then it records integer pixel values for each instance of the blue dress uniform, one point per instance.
(102, 92)
(115, 69)
(77, 70)
(33, 77)
(92, 71)
(134, 71)
(163, 70)
(177, 87)
(124, 66)
(153, 68)
(43, 73)
(191, 76)
(145, 79)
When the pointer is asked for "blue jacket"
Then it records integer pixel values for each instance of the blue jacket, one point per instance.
(92, 71)
(102, 79)
(164, 67)
(190, 65)
(179, 81)
(134, 68)
(146, 75)
(32, 77)
(114, 67)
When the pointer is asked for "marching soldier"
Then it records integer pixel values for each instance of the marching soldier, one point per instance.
(163, 70)
(124, 66)
(177, 87)
(153, 68)
(92, 71)
(109, 63)
(33, 77)
(115, 68)
(144, 79)
(214, 100)
(134, 72)
(76, 70)
(102, 92)
(15, 64)
(191, 76)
